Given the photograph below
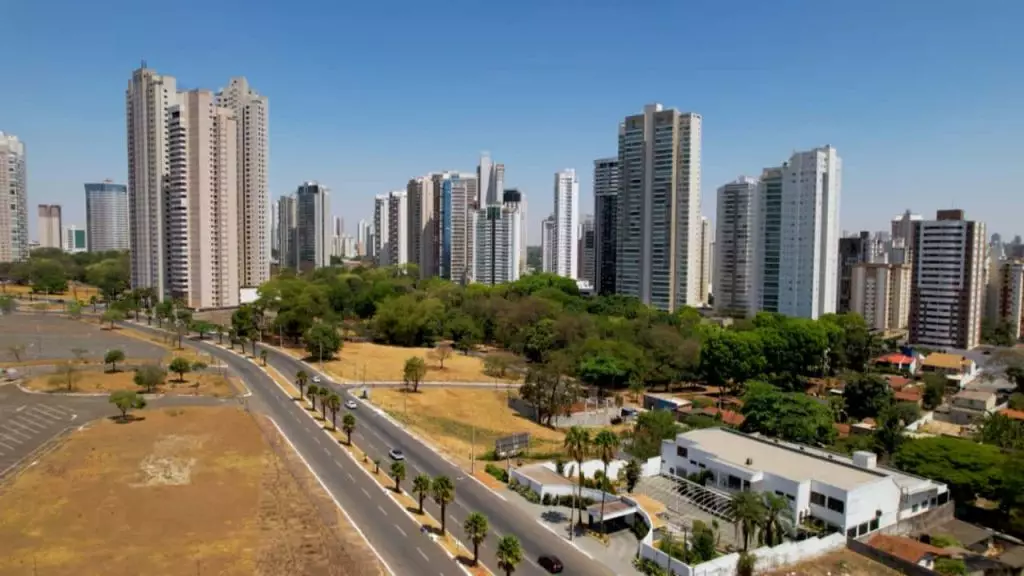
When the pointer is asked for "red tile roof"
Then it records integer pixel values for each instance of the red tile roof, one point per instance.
(842, 429)
(897, 382)
(906, 548)
(895, 358)
(908, 395)
(728, 416)
(1015, 414)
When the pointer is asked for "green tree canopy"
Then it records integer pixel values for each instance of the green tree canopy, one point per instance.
(787, 415)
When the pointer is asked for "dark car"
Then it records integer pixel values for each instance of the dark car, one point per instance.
(550, 563)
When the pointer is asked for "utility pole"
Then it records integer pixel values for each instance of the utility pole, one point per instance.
(472, 452)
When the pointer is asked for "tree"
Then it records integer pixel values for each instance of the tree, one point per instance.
(548, 389)
(609, 363)
(476, 530)
(934, 390)
(1003, 431)
(464, 333)
(795, 417)
(866, 396)
(778, 518)
(7, 304)
(968, 468)
(334, 404)
(888, 433)
(730, 358)
(606, 443)
(322, 341)
(74, 309)
(510, 554)
(413, 372)
(745, 564)
(636, 386)
(202, 328)
(79, 354)
(311, 394)
(496, 365)
(180, 366)
(16, 351)
(908, 412)
(651, 428)
(348, 425)
(126, 400)
(443, 491)
(420, 487)
(398, 473)
(112, 315)
(950, 566)
(632, 474)
(440, 353)
(199, 366)
(577, 445)
(301, 378)
(149, 376)
(263, 357)
(47, 276)
(113, 357)
(112, 277)
(747, 511)
(323, 393)
(67, 375)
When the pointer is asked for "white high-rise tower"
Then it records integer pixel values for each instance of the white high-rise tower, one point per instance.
(14, 213)
(567, 222)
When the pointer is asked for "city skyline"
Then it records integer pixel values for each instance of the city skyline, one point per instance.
(959, 159)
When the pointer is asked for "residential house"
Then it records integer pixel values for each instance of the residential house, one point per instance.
(907, 549)
(897, 363)
(958, 369)
(971, 406)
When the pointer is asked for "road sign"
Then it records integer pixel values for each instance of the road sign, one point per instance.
(511, 445)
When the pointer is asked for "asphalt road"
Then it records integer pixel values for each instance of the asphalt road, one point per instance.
(392, 533)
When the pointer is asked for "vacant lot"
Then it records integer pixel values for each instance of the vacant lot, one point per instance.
(184, 491)
(51, 337)
(365, 361)
(844, 562)
(81, 291)
(450, 417)
(206, 383)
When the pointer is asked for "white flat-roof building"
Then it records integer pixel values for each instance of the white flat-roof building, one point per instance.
(852, 495)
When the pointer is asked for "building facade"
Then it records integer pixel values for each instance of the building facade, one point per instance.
(106, 216)
(398, 227)
(853, 250)
(948, 278)
(587, 250)
(658, 243)
(287, 252)
(567, 219)
(606, 215)
(455, 203)
(547, 244)
(50, 226)
(734, 269)
(497, 242)
(75, 239)
(313, 226)
(704, 284)
(251, 114)
(880, 293)
(381, 240)
(1010, 307)
(13, 185)
(422, 235)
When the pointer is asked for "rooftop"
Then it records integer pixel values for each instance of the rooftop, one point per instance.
(1015, 414)
(974, 395)
(544, 475)
(905, 548)
(779, 459)
(947, 361)
(895, 358)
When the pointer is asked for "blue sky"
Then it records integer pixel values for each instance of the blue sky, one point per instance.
(924, 99)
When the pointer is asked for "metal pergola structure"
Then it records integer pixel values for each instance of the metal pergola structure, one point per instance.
(687, 501)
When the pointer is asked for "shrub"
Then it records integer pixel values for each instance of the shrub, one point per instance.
(615, 421)
(560, 466)
(639, 527)
(546, 500)
(498, 473)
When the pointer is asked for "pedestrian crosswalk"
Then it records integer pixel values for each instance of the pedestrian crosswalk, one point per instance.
(27, 427)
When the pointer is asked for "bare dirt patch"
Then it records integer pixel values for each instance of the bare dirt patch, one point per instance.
(843, 562)
(206, 383)
(182, 491)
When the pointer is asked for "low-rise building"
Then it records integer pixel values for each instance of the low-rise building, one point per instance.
(853, 495)
(959, 369)
(897, 362)
(907, 549)
(971, 406)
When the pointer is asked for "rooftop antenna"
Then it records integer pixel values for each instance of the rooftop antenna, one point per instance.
(143, 64)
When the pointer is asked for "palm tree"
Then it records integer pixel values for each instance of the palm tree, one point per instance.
(443, 492)
(778, 518)
(577, 444)
(263, 356)
(323, 393)
(398, 473)
(747, 511)
(510, 554)
(311, 393)
(334, 404)
(476, 530)
(348, 424)
(420, 487)
(301, 379)
(606, 443)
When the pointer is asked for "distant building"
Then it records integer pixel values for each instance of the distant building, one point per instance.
(496, 246)
(398, 227)
(422, 236)
(704, 284)
(74, 239)
(313, 226)
(565, 232)
(734, 267)
(106, 216)
(14, 213)
(455, 203)
(587, 251)
(881, 294)
(547, 244)
(606, 215)
(50, 226)
(287, 235)
(853, 250)
(1008, 277)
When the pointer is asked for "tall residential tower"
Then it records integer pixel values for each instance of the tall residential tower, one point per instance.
(106, 216)
(606, 214)
(734, 267)
(567, 222)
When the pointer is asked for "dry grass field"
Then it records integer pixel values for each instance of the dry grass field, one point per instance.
(369, 362)
(452, 417)
(843, 562)
(82, 291)
(182, 491)
(94, 381)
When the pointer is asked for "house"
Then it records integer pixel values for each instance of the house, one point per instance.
(907, 549)
(897, 382)
(897, 362)
(971, 406)
(958, 369)
(865, 427)
(854, 496)
(913, 394)
(654, 401)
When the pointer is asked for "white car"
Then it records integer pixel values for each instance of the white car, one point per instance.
(396, 454)
(351, 404)
(316, 379)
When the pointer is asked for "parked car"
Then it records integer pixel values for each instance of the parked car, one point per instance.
(396, 454)
(351, 404)
(550, 563)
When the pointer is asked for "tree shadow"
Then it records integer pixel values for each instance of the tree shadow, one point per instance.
(466, 561)
(414, 510)
(554, 516)
(117, 419)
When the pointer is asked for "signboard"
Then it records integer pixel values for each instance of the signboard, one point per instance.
(507, 446)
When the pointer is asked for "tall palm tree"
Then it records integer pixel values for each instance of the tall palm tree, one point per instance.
(334, 404)
(476, 530)
(323, 393)
(443, 492)
(510, 554)
(421, 487)
(311, 393)
(398, 473)
(301, 379)
(348, 424)
(606, 443)
(263, 356)
(747, 511)
(577, 444)
(778, 518)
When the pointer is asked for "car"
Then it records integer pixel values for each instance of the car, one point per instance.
(316, 379)
(550, 563)
(396, 454)
(351, 405)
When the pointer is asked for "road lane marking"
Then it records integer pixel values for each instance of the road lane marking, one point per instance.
(20, 408)
(25, 420)
(401, 531)
(422, 554)
(11, 438)
(381, 510)
(6, 446)
(350, 478)
(365, 492)
(50, 411)
(46, 418)
(23, 427)
(18, 432)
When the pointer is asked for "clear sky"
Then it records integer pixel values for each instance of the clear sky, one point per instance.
(924, 99)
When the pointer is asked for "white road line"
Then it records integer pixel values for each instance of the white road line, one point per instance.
(13, 431)
(22, 426)
(422, 554)
(11, 438)
(30, 421)
(20, 408)
(401, 531)
(365, 492)
(60, 410)
(50, 411)
(6, 446)
(39, 413)
(350, 478)
(382, 510)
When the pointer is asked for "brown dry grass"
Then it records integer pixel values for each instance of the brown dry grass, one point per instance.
(369, 362)
(93, 381)
(448, 416)
(844, 561)
(181, 491)
(83, 291)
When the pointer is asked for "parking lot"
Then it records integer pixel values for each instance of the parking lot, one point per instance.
(46, 336)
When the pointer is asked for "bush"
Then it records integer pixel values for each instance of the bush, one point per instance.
(499, 474)
(648, 567)
(639, 527)
(546, 500)
(615, 421)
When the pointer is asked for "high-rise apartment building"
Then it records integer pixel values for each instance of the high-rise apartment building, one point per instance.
(275, 222)
(948, 277)
(14, 187)
(567, 220)
(252, 158)
(201, 203)
(704, 285)
(798, 235)
(853, 250)
(422, 236)
(287, 235)
(903, 237)
(106, 216)
(606, 214)
(455, 204)
(398, 227)
(74, 239)
(491, 178)
(50, 226)
(313, 226)
(1009, 279)
(587, 249)
(734, 268)
(496, 246)
(523, 232)
(363, 238)
(381, 240)
(880, 292)
(658, 243)
(547, 245)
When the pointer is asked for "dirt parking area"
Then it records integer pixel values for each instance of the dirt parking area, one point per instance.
(186, 491)
(51, 337)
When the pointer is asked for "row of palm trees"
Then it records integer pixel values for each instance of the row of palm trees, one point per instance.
(766, 515)
(579, 446)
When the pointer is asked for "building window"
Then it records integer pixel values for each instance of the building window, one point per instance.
(851, 533)
(817, 499)
(873, 525)
(681, 452)
(693, 462)
(734, 483)
(836, 505)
